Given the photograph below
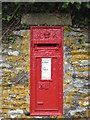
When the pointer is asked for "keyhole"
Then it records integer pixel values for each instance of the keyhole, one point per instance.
(41, 86)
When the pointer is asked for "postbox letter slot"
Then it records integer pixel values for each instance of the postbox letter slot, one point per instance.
(46, 45)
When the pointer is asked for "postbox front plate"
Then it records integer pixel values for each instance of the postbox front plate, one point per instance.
(46, 71)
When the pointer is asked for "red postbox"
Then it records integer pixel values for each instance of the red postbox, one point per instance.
(46, 70)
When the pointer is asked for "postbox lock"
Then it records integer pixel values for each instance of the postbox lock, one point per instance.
(41, 86)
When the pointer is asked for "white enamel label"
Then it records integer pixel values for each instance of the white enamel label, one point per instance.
(46, 69)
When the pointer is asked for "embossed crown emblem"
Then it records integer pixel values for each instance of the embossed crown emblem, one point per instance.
(47, 34)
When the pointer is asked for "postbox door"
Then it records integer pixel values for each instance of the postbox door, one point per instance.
(47, 84)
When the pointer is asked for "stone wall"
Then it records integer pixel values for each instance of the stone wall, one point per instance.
(15, 64)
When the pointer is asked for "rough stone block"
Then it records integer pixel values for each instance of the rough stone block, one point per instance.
(46, 18)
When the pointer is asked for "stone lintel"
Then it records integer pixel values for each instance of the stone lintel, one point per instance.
(46, 18)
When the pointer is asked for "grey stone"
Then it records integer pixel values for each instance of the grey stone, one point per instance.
(13, 116)
(2, 58)
(73, 112)
(20, 32)
(70, 88)
(16, 53)
(4, 65)
(46, 18)
(17, 111)
(83, 90)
